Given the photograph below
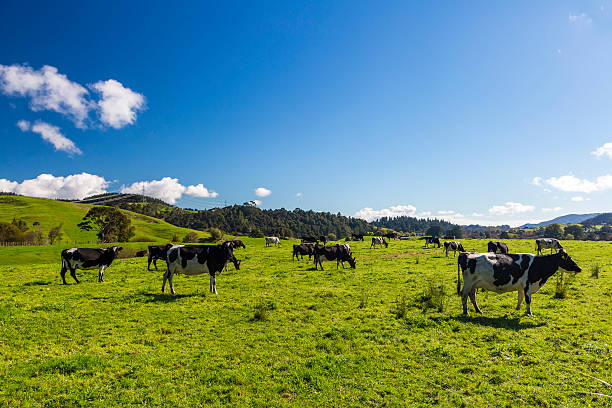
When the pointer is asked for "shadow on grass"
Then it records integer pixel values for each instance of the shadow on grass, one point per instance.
(498, 322)
(37, 283)
(167, 297)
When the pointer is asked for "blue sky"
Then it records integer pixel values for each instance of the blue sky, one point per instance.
(484, 112)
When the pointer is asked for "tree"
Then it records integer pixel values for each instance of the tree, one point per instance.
(504, 235)
(577, 231)
(434, 231)
(20, 224)
(554, 231)
(190, 238)
(55, 234)
(9, 232)
(455, 231)
(111, 223)
(215, 233)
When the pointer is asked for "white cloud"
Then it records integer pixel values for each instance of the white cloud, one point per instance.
(581, 18)
(605, 150)
(475, 214)
(262, 192)
(24, 125)
(536, 181)
(551, 209)
(47, 90)
(298, 195)
(571, 183)
(424, 213)
(200, 191)
(577, 198)
(257, 202)
(510, 208)
(76, 186)
(167, 189)
(52, 135)
(446, 212)
(118, 105)
(370, 214)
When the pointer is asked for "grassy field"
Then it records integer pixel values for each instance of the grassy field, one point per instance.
(282, 334)
(50, 213)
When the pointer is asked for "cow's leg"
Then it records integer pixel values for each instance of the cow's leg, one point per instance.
(166, 276)
(170, 280)
(73, 274)
(213, 283)
(521, 295)
(101, 273)
(155, 264)
(63, 273)
(473, 299)
(528, 301)
(149, 263)
(464, 298)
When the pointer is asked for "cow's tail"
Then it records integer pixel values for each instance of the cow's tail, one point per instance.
(458, 279)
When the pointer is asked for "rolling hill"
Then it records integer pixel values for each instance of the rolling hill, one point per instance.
(50, 213)
(564, 219)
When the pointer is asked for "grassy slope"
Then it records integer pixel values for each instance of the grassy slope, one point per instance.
(331, 337)
(50, 213)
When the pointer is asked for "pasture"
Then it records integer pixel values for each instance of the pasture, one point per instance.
(280, 333)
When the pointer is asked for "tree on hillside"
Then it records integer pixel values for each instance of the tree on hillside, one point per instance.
(577, 231)
(434, 231)
(20, 224)
(9, 233)
(554, 231)
(455, 231)
(56, 234)
(112, 224)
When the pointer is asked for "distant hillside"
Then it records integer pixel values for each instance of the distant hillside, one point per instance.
(49, 213)
(601, 219)
(564, 219)
(411, 224)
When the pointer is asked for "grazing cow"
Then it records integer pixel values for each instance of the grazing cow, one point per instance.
(497, 247)
(323, 239)
(357, 237)
(196, 260)
(157, 252)
(378, 241)
(552, 243)
(310, 240)
(87, 258)
(391, 235)
(525, 273)
(303, 249)
(404, 238)
(453, 246)
(346, 248)
(331, 253)
(432, 240)
(234, 244)
(273, 241)
(140, 254)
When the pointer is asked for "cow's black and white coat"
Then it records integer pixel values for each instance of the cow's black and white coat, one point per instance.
(497, 247)
(378, 241)
(453, 246)
(87, 258)
(196, 260)
(339, 253)
(157, 252)
(544, 243)
(273, 241)
(303, 249)
(432, 240)
(525, 273)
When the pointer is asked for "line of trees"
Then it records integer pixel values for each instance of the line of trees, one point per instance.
(18, 231)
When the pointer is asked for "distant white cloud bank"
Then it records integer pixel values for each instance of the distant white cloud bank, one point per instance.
(370, 214)
(75, 186)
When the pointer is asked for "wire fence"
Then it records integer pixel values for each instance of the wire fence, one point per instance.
(32, 243)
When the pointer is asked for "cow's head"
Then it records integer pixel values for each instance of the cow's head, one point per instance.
(115, 249)
(567, 263)
(236, 263)
(385, 243)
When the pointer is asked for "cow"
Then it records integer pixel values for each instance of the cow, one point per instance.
(432, 240)
(346, 248)
(357, 237)
(273, 241)
(312, 240)
(453, 246)
(391, 235)
(157, 252)
(552, 243)
(140, 254)
(331, 253)
(196, 260)
(234, 244)
(404, 238)
(378, 241)
(323, 239)
(497, 247)
(525, 273)
(87, 258)
(303, 249)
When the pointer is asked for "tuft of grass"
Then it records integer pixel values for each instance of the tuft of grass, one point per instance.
(433, 297)
(363, 301)
(401, 307)
(563, 283)
(595, 269)
(261, 310)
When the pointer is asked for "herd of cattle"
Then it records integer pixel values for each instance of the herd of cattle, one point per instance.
(496, 270)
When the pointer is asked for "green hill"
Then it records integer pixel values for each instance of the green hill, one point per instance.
(49, 213)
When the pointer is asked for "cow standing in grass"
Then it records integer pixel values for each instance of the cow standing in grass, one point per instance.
(157, 252)
(544, 243)
(273, 241)
(500, 273)
(87, 258)
(336, 253)
(378, 241)
(432, 240)
(303, 249)
(497, 247)
(453, 246)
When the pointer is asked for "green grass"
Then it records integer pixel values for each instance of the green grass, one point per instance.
(49, 213)
(282, 334)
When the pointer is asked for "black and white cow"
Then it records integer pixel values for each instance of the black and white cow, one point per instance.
(543, 243)
(432, 240)
(336, 253)
(357, 237)
(525, 273)
(87, 258)
(453, 246)
(391, 235)
(303, 249)
(273, 241)
(157, 252)
(347, 249)
(234, 244)
(497, 247)
(378, 241)
(196, 260)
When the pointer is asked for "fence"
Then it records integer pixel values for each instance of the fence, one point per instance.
(32, 243)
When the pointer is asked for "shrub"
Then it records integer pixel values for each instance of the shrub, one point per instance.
(262, 308)
(175, 238)
(434, 297)
(595, 269)
(563, 283)
(215, 233)
(401, 307)
(332, 237)
(190, 238)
